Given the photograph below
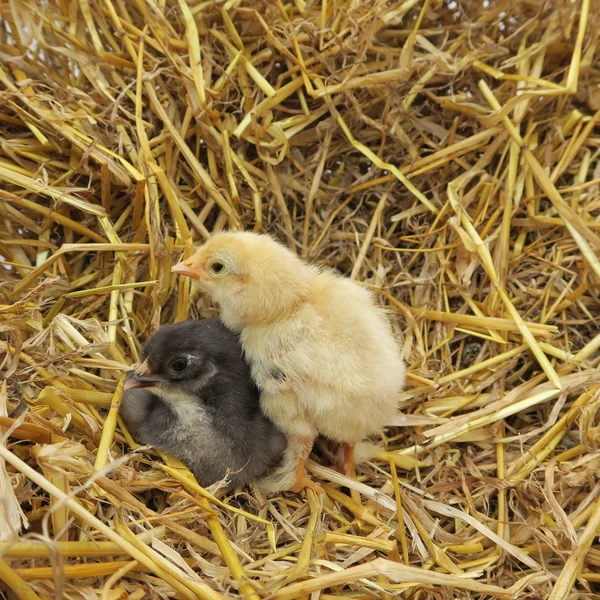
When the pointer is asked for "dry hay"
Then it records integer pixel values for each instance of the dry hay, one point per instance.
(444, 153)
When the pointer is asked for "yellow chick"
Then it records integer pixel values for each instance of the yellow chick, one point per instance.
(321, 351)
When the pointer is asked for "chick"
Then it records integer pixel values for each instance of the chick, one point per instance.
(193, 397)
(321, 351)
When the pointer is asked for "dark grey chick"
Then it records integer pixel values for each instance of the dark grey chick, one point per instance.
(193, 397)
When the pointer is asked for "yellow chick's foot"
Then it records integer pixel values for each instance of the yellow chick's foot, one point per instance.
(347, 466)
(304, 481)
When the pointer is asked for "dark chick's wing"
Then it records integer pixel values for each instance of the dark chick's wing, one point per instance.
(254, 444)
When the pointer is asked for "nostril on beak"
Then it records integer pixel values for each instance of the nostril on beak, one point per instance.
(186, 268)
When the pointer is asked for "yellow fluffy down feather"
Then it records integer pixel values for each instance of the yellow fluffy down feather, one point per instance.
(321, 351)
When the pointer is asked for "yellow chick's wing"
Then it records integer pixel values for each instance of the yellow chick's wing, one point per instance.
(338, 354)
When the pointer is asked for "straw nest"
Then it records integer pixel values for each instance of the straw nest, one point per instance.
(446, 154)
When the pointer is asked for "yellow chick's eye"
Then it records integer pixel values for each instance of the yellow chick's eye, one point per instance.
(217, 268)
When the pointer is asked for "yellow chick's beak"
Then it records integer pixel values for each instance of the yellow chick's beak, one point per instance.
(186, 268)
(141, 378)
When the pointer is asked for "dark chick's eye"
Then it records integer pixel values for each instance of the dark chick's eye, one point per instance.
(217, 267)
(180, 366)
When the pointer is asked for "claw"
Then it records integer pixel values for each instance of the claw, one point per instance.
(303, 481)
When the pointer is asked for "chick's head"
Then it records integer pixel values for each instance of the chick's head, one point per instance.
(177, 361)
(251, 276)
(217, 266)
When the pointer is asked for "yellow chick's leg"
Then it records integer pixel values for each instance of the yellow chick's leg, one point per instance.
(302, 479)
(347, 466)
(281, 404)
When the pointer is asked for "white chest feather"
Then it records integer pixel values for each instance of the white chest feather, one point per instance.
(192, 416)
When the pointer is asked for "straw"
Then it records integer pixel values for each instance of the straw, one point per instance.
(444, 155)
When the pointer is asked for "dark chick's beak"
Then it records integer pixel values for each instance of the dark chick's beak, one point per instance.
(186, 268)
(141, 378)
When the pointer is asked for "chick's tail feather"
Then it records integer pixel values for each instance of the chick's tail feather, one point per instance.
(365, 451)
(282, 477)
